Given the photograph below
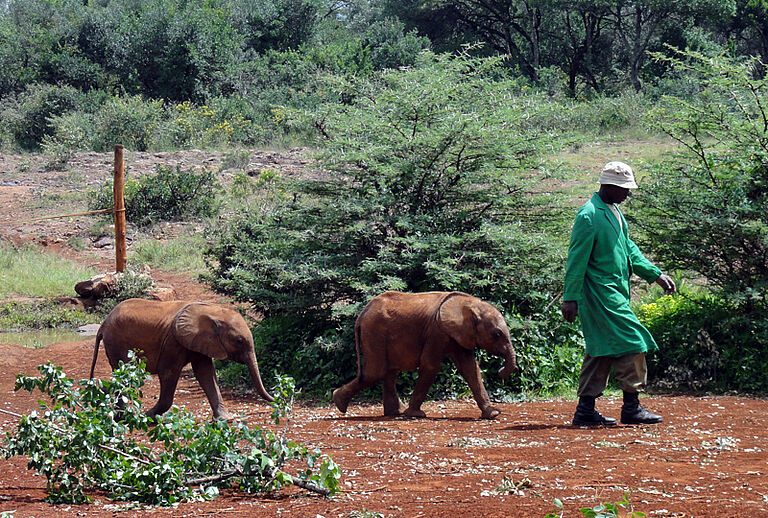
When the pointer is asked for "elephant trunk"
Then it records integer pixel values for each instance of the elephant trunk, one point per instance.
(510, 362)
(253, 367)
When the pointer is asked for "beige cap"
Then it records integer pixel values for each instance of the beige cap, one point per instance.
(618, 173)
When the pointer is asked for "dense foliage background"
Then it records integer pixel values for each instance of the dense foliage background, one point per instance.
(440, 127)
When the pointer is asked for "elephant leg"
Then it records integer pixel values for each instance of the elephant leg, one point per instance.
(392, 404)
(202, 366)
(343, 395)
(426, 377)
(168, 382)
(470, 371)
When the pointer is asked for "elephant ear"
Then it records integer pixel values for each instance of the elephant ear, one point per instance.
(197, 331)
(458, 318)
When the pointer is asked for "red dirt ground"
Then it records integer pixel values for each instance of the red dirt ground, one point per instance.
(708, 459)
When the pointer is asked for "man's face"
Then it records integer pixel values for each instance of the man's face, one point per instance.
(614, 193)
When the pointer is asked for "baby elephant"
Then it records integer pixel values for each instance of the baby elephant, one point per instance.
(400, 331)
(169, 335)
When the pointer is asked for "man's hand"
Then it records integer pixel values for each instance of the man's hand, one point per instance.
(667, 284)
(570, 309)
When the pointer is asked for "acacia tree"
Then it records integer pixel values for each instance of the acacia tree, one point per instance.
(430, 188)
(707, 209)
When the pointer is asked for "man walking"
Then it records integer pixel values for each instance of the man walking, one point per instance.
(601, 259)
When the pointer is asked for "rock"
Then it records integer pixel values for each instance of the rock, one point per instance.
(163, 293)
(97, 287)
(104, 241)
(84, 288)
(89, 329)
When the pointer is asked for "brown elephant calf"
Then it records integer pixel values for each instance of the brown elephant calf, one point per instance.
(170, 335)
(401, 331)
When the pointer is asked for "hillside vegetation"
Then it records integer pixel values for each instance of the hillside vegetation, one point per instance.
(453, 141)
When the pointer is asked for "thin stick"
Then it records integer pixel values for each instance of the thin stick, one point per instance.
(100, 211)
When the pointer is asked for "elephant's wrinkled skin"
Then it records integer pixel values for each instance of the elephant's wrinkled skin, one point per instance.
(169, 335)
(400, 332)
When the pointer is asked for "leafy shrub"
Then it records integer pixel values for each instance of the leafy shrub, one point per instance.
(549, 353)
(78, 445)
(130, 284)
(213, 125)
(706, 342)
(382, 44)
(168, 195)
(621, 509)
(142, 124)
(40, 315)
(27, 116)
(127, 120)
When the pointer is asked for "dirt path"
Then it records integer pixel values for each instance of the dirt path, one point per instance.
(708, 459)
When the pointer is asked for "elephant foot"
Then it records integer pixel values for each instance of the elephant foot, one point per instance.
(222, 413)
(414, 412)
(490, 412)
(394, 410)
(339, 401)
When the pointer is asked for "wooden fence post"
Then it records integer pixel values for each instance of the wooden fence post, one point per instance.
(120, 246)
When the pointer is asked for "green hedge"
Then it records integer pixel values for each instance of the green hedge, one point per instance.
(707, 342)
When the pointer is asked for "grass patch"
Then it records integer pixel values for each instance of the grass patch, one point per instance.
(29, 272)
(182, 254)
(60, 202)
(44, 314)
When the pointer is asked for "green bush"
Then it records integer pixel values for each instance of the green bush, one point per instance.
(41, 315)
(706, 342)
(705, 210)
(130, 284)
(128, 120)
(219, 123)
(27, 117)
(382, 44)
(168, 195)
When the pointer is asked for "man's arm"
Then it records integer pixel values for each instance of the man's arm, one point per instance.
(579, 251)
(651, 273)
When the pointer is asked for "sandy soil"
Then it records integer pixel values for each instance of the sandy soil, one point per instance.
(708, 459)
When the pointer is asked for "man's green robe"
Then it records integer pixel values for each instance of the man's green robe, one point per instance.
(601, 259)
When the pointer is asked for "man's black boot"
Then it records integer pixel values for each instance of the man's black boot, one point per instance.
(632, 411)
(586, 415)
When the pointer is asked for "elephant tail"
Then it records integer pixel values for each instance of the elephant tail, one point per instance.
(95, 352)
(358, 349)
